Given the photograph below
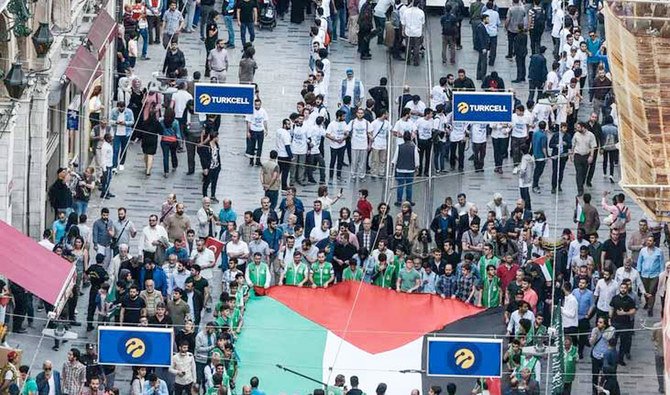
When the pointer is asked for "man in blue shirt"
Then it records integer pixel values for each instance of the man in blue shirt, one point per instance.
(584, 298)
(650, 265)
(539, 153)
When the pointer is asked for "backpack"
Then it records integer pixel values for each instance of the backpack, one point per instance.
(365, 17)
(395, 17)
(449, 24)
(621, 218)
(610, 142)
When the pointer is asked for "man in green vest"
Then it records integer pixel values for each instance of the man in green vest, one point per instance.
(258, 272)
(385, 274)
(487, 259)
(570, 356)
(322, 274)
(530, 363)
(537, 331)
(296, 272)
(352, 272)
(230, 362)
(491, 295)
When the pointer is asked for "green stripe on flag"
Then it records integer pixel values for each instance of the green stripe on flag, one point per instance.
(278, 335)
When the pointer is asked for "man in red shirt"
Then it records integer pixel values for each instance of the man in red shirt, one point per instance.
(507, 271)
(529, 295)
(364, 206)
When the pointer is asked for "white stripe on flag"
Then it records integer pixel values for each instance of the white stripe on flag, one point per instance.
(373, 369)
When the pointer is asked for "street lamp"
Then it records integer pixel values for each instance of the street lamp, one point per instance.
(42, 39)
(15, 81)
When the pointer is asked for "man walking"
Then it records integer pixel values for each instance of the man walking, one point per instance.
(650, 264)
(405, 161)
(583, 146)
(413, 20)
(481, 41)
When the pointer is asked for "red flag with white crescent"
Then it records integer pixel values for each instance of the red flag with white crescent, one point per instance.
(215, 245)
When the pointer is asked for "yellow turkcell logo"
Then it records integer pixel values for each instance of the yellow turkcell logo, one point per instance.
(464, 357)
(135, 347)
(205, 99)
(463, 107)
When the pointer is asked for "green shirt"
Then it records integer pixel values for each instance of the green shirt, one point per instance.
(295, 274)
(355, 275)
(569, 364)
(491, 292)
(259, 275)
(408, 279)
(483, 262)
(231, 366)
(234, 319)
(322, 274)
(385, 279)
(535, 335)
(29, 387)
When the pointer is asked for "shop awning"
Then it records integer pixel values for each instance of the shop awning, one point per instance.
(25, 262)
(101, 33)
(83, 68)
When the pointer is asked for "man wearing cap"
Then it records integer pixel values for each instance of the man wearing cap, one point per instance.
(123, 122)
(352, 87)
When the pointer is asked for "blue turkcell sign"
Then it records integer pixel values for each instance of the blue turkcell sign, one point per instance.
(483, 107)
(464, 357)
(118, 345)
(223, 98)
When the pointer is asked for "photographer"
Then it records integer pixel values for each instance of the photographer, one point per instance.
(206, 219)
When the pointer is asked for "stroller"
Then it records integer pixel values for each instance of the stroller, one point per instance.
(268, 15)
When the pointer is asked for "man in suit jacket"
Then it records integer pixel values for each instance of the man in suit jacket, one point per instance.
(465, 220)
(198, 300)
(367, 238)
(47, 377)
(498, 206)
(314, 217)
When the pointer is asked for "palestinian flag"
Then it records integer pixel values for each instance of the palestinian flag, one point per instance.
(545, 264)
(303, 329)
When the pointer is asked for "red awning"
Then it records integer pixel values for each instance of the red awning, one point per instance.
(101, 33)
(33, 267)
(83, 68)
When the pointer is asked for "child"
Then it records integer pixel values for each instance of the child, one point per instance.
(230, 274)
(103, 306)
(132, 49)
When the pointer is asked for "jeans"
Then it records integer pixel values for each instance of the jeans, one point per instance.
(169, 151)
(592, 168)
(105, 180)
(537, 173)
(625, 340)
(336, 159)
(481, 64)
(535, 39)
(205, 16)
(154, 28)
(425, 147)
(379, 25)
(651, 286)
(212, 178)
(525, 195)
(228, 19)
(244, 27)
(190, 14)
(460, 147)
(298, 168)
(342, 19)
(80, 206)
(273, 196)
(499, 149)
(583, 328)
(557, 172)
(660, 366)
(256, 144)
(284, 170)
(120, 143)
(591, 18)
(449, 42)
(404, 184)
(510, 44)
(440, 155)
(316, 160)
(182, 389)
(144, 33)
(533, 86)
(358, 158)
(609, 157)
(581, 168)
(596, 367)
(520, 67)
(479, 151)
(493, 49)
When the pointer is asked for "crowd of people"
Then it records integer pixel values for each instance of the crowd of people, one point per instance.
(502, 258)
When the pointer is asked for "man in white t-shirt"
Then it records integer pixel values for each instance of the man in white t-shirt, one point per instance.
(359, 129)
(457, 137)
(284, 154)
(424, 128)
(520, 124)
(336, 134)
(299, 150)
(257, 129)
(438, 95)
(380, 131)
(416, 107)
(478, 132)
(403, 125)
(204, 257)
(315, 133)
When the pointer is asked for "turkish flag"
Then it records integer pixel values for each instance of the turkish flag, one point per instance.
(215, 245)
(493, 384)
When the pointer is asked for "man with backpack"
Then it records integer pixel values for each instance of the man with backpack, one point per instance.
(537, 21)
(398, 8)
(449, 23)
(457, 9)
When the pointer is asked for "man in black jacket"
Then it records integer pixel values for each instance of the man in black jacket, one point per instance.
(537, 73)
(174, 60)
(481, 41)
(520, 52)
(60, 196)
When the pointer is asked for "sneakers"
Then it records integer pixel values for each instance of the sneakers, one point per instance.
(121, 167)
(516, 170)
